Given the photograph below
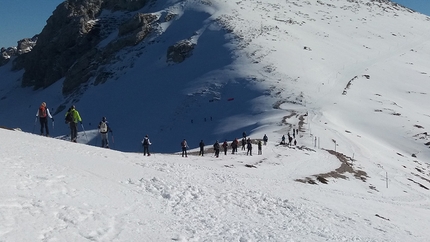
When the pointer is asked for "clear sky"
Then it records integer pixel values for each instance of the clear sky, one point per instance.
(24, 18)
(422, 6)
(21, 19)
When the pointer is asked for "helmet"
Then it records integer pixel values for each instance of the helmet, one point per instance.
(104, 118)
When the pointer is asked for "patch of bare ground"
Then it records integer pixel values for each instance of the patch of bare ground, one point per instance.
(13, 129)
(420, 176)
(300, 117)
(419, 184)
(346, 166)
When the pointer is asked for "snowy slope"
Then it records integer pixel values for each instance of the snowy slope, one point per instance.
(262, 54)
(56, 191)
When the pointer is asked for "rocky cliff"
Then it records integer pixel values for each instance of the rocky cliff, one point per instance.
(70, 45)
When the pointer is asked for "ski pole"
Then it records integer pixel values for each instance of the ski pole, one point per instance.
(97, 139)
(84, 131)
(113, 140)
(34, 126)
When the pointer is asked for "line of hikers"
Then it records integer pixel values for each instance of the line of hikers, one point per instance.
(246, 144)
(290, 138)
(234, 145)
(72, 117)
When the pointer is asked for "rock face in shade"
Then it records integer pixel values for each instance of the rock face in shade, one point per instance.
(67, 45)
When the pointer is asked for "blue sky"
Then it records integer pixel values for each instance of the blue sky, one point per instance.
(24, 18)
(422, 6)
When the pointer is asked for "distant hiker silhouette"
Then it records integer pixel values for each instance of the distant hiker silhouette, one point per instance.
(249, 147)
(216, 149)
(184, 147)
(234, 145)
(225, 146)
(202, 147)
(146, 143)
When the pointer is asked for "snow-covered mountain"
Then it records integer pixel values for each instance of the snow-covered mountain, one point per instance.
(270, 58)
(351, 75)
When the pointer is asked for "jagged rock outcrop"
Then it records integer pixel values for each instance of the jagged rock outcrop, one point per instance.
(130, 33)
(67, 45)
(180, 51)
(24, 46)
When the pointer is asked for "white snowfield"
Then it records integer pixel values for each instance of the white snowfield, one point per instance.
(55, 190)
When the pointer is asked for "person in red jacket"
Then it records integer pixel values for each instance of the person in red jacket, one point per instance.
(43, 114)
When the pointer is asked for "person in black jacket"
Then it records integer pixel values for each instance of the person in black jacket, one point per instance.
(249, 147)
(225, 146)
(234, 145)
(146, 143)
(216, 148)
(202, 147)
(184, 146)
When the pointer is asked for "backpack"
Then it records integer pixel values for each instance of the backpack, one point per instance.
(69, 117)
(42, 111)
(145, 141)
(103, 127)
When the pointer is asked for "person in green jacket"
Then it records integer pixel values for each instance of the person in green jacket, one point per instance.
(72, 118)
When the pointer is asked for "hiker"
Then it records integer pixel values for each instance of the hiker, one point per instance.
(244, 134)
(146, 143)
(72, 118)
(265, 139)
(184, 146)
(43, 114)
(249, 146)
(234, 145)
(290, 139)
(202, 148)
(224, 146)
(260, 152)
(243, 143)
(216, 148)
(283, 140)
(103, 130)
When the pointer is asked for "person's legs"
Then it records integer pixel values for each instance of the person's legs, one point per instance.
(43, 124)
(73, 131)
(46, 126)
(104, 140)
